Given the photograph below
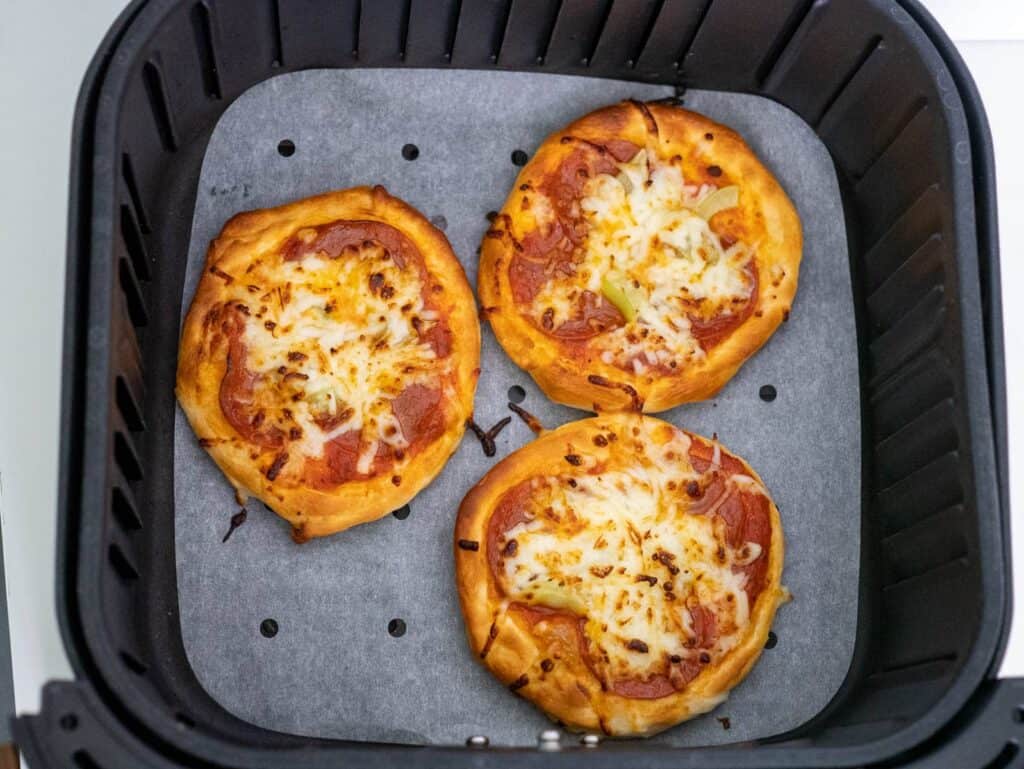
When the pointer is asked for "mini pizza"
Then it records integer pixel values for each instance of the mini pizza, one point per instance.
(620, 573)
(330, 356)
(642, 256)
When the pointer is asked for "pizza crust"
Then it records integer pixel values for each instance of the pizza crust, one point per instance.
(766, 215)
(569, 692)
(202, 361)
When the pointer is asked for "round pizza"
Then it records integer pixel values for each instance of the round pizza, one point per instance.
(642, 256)
(330, 356)
(620, 573)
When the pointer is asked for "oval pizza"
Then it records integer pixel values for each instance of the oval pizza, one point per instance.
(620, 573)
(330, 356)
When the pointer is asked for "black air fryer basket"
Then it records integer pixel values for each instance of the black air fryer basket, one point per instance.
(887, 94)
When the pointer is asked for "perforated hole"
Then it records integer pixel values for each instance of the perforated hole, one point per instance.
(519, 158)
(516, 394)
(268, 628)
(772, 640)
(396, 628)
(286, 148)
(402, 513)
(768, 393)
(68, 722)
(410, 152)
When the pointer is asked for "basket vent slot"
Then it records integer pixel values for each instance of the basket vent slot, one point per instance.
(528, 32)
(599, 32)
(873, 45)
(126, 404)
(918, 220)
(788, 34)
(917, 106)
(119, 561)
(403, 34)
(133, 243)
(453, 27)
(577, 28)
(275, 34)
(203, 31)
(83, 760)
(684, 51)
(132, 294)
(912, 332)
(652, 20)
(124, 511)
(128, 174)
(921, 494)
(671, 31)
(133, 663)
(929, 572)
(912, 672)
(1004, 757)
(501, 30)
(158, 104)
(625, 29)
(125, 457)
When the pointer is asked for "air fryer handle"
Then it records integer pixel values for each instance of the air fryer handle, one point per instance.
(75, 728)
(987, 734)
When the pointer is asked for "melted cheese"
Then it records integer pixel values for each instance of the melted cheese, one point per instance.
(318, 334)
(644, 235)
(598, 544)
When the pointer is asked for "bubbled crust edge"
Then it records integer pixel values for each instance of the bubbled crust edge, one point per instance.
(202, 364)
(565, 379)
(569, 693)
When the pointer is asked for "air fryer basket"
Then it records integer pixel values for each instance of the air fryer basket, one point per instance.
(883, 89)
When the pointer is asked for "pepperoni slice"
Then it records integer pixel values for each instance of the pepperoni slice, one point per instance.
(509, 513)
(594, 315)
(421, 417)
(419, 412)
(439, 337)
(658, 685)
(332, 239)
(705, 626)
(236, 389)
(747, 515)
(562, 626)
(711, 331)
(546, 254)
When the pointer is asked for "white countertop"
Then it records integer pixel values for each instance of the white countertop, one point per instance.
(45, 47)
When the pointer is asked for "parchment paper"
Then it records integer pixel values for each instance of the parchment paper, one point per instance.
(333, 670)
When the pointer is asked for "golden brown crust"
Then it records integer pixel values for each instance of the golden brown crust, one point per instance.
(569, 691)
(766, 218)
(202, 360)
